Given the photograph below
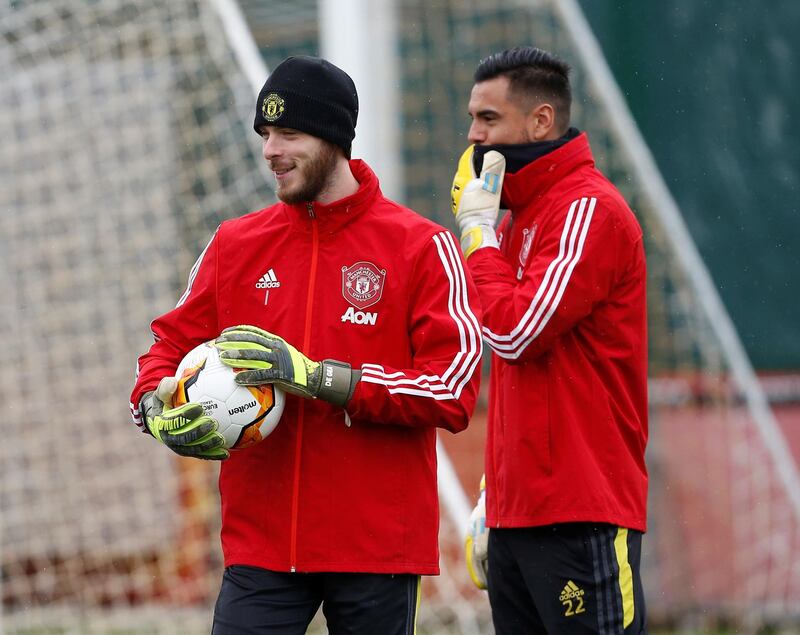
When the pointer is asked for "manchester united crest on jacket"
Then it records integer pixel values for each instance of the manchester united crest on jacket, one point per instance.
(362, 284)
(525, 250)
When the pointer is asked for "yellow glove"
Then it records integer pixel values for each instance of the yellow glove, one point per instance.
(477, 542)
(476, 199)
(186, 430)
(268, 358)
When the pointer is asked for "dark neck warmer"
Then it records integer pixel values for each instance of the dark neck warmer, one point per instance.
(518, 155)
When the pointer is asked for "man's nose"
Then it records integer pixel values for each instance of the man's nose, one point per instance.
(270, 148)
(477, 133)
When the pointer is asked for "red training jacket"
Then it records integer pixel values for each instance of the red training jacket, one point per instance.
(366, 281)
(565, 315)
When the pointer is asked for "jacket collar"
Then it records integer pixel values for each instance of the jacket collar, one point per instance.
(523, 187)
(336, 215)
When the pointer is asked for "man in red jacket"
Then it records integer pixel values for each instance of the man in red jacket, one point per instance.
(338, 506)
(562, 287)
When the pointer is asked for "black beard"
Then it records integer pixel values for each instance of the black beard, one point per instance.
(317, 176)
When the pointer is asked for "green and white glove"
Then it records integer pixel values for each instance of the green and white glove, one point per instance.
(476, 200)
(266, 358)
(477, 542)
(186, 430)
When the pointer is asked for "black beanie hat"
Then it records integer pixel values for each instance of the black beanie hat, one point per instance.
(311, 95)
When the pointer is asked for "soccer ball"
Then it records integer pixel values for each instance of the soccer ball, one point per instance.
(245, 414)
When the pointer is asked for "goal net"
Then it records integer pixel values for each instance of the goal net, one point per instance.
(126, 140)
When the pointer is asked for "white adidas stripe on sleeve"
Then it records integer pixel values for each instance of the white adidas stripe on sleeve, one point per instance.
(136, 415)
(551, 290)
(452, 382)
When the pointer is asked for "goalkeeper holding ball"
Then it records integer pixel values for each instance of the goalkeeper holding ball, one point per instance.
(362, 311)
(562, 286)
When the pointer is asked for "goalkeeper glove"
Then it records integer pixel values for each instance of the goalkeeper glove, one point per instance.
(186, 430)
(476, 199)
(266, 358)
(477, 542)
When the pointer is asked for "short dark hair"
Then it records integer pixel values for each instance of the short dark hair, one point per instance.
(532, 74)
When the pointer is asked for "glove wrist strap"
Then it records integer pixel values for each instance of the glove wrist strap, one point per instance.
(476, 238)
(338, 382)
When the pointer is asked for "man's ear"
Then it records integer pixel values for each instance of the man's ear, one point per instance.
(542, 123)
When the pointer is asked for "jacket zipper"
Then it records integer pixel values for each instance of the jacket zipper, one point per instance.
(312, 278)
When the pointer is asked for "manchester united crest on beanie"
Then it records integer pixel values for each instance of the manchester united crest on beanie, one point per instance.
(311, 95)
